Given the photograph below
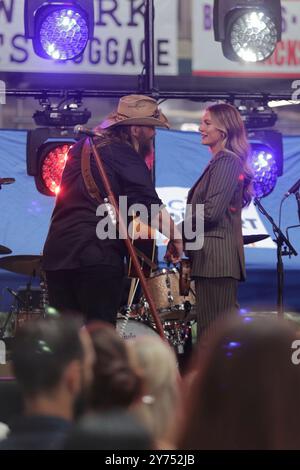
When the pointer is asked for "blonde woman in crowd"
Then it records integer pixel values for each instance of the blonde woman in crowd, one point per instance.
(159, 406)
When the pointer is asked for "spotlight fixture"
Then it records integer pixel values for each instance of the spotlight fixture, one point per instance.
(69, 116)
(258, 117)
(266, 159)
(248, 29)
(47, 154)
(53, 159)
(265, 170)
(59, 30)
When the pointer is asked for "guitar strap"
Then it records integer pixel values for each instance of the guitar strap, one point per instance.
(94, 192)
(86, 171)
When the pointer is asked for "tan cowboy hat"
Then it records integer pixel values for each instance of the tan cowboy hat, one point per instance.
(136, 110)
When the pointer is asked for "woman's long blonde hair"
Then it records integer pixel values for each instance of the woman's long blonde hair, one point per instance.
(228, 120)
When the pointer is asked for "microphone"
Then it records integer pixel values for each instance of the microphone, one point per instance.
(84, 130)
(7, 181)
(15, 295)
(293, 189)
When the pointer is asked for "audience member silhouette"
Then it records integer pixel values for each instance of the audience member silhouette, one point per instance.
(115, 382)
(159, 405)
(245, 389)
(110, 430)
(52, 362)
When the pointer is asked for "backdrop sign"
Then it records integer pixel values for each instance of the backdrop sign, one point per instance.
(117, 46)
(208, 59)
(175, 200)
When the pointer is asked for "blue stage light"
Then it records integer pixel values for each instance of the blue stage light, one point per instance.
(63, 34)
(59, 30)
(265, 169)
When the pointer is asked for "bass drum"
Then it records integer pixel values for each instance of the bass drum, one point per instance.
(131, 328)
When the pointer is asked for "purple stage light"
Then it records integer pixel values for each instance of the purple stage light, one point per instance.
(265, 170)
(63, 33)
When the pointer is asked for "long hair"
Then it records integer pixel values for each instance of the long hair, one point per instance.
(116, 134)
(244, 389)
(115, 383)
(156, 362)
(228, 120)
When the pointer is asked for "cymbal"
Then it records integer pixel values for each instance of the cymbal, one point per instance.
(30, 265)
(248, 239)
(7, 181)
(4, 250)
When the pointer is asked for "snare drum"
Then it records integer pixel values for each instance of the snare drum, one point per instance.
(164, 288)
(131, 328)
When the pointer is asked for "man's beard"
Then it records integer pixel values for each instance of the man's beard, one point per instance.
(145, 146)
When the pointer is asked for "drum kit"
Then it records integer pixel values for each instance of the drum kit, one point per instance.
(176, 309)
(30, 302)
(177, 312)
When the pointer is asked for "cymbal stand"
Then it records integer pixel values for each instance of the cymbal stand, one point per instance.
(8, 319)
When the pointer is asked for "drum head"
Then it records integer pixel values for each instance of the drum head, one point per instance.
(130, 329)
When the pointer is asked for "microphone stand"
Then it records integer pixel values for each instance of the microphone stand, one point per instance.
(297, 196)
(124, 233)
(284, 248)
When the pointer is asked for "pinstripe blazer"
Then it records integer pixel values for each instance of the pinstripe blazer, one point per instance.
(220, 189)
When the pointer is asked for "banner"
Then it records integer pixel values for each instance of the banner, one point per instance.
(208, 59)
(117, 46)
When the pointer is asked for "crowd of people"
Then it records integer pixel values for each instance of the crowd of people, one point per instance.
(88, 388)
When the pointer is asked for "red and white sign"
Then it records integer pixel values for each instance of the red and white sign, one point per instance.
(208, 59)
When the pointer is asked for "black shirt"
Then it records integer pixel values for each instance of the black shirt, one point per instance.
(72, 241)
(36, 433)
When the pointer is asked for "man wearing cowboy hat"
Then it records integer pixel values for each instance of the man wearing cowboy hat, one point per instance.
(85, 273)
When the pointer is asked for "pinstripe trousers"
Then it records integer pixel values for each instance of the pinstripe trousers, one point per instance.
(216, 298)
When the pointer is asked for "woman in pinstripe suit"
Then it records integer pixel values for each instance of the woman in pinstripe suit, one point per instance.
(223, 188)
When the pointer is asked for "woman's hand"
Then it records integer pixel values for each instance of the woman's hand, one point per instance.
(174, 251)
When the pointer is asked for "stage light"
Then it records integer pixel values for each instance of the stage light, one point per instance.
(47, 153)
(265, 170)
(258, 117)
(279, 103)
(266, 159)
(248, 30)
(59, 30)
(69, 116)
(53, 160)
(272, 139)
